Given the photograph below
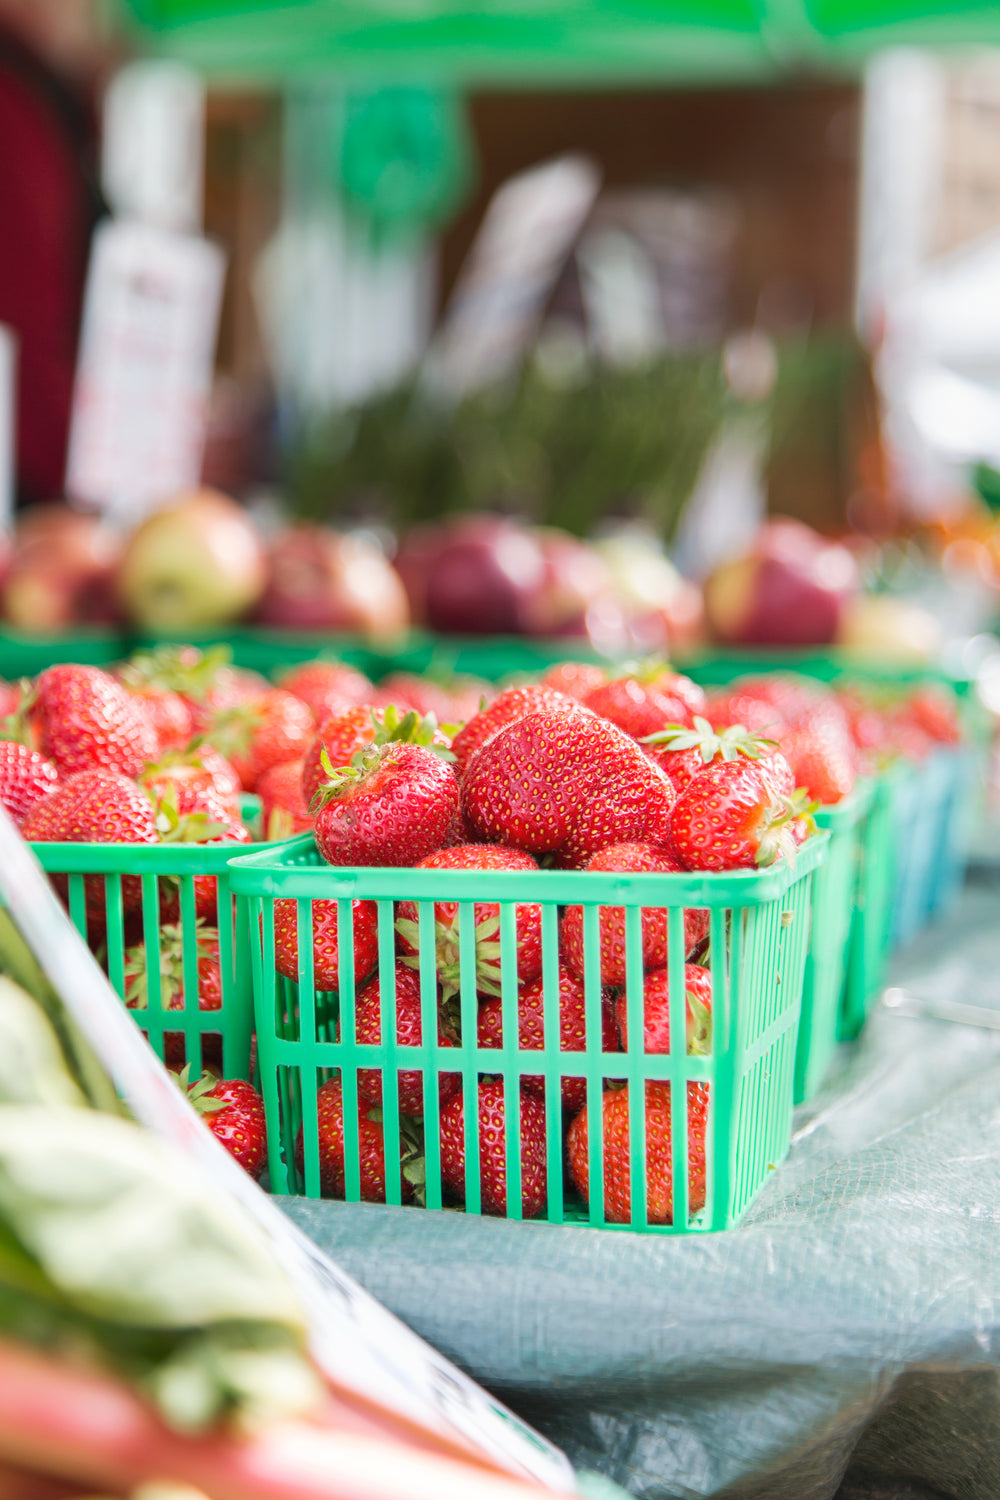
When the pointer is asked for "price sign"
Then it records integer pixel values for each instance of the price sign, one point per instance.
(140, 401)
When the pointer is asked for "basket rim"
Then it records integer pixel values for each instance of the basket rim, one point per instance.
(277, 871)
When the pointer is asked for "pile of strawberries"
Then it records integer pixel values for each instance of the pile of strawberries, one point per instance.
(631, 773)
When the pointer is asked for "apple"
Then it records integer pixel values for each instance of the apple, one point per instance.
(482, 576)
(790, 589)
(321, 579)
(883, 627)
(194, 565)
(664, 610)
(61, 570)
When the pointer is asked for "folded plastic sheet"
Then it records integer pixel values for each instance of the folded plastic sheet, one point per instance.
(850, 1325)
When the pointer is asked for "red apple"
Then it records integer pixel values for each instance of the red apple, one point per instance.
(320, 579)
(194, 565)
(789, 590)
(482, 576)
(61, 570)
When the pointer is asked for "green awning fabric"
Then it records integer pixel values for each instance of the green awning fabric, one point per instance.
(519, 42)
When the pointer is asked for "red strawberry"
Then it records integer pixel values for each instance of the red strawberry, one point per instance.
(326, 941)
(222, 772)
(234, 1113)
(656, 1011)
(409, 1033)
(682, 751)
(531, 1030)
(505, 709)
(413, 694)
(659, 1164)
(528, 921)
(730, 818)
(283, 811)
(85, 719)
(10, 697)
(746, 710)
(25, 778)
(822, 756)
(933, 709)
(371, 1148)
(274, 728)
(493, 1150)
(327, 687)
(566, 783)
(340, 736)
(168, 714)
(676, 685)
(638, 707)
(99, 807)
(795, 698)
(574, 678)
(396, 804)
(170, 963)
(638, 859)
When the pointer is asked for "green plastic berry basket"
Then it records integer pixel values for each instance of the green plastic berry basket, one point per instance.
(872, 922)
(756, 948)
(827, 961)
(127, 898)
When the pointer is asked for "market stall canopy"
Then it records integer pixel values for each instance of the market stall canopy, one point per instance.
(521, 41)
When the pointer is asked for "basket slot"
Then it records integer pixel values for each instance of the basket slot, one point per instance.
(553, 1088)
(636, 1019)
(389, 1052)
(676, 978)
(511, 1057)
(470, 1085)
(595, 1106)
(432, 1074)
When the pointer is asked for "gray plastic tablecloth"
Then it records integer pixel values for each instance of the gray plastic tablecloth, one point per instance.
(849, 1326)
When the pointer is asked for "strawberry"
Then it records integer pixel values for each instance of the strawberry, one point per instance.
(531, 1030)
(822, 756)
(171, 971)
(639, 707)
(505, 709)
(234, 1113)
(656, 1011)
(409, 1033)
(659, 1165)
(85, 719)
(25, 778)
(340, 736)
(730, 818)
(371, 1147)
(395, 804)
(934, 710)
(567, 784)
(326, 941)
(275, 727)
(99, 807)
(795, 698)
(746, 710)
(168, 714)
(327, 687)
(682, 751)
(528, 922)
(639, 859)
(413, 694)
(493, 1150)
(283, 811)
(574, 678)
(10, 697)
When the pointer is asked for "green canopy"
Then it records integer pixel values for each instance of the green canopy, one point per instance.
(546, 41)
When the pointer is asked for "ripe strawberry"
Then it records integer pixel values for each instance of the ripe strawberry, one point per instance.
(574, 678)
(85, 719)
(730, 818)
(234, 1113)
(222, 772)
(326, 941)
(659, 1164)
(682, 751)
(168, 714)
(505, 709)
(10, 697)
(340, 736)
(274, 728)
(409, 1033)
(531, 1030)
(527, 920)
(327, 687)
(414, 694)
(933, 709)
(795, 698)
(394, 805)
(746, 710)
(565, 783)
(637, 706)
(493, 1150)
(371, 1147)
(656, 1011)
(171, 971)
(25, 778)
(821, 755)
(283, 812)
(99, 807)
(638, 859)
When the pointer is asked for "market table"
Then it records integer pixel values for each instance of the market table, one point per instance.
(851, 1324)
